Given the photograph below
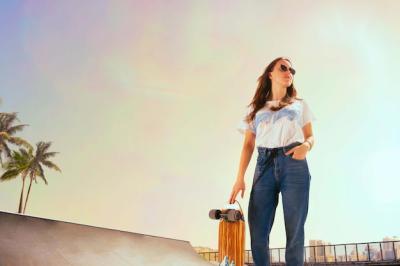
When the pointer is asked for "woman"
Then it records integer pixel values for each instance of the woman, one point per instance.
(279, 125)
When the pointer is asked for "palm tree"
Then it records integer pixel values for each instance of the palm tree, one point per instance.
(18, 165)
(7, 130)
(35, 167)
(24, 163)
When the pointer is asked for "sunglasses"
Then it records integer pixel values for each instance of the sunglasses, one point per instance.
(284, 68)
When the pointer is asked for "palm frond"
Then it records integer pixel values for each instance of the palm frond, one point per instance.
(18, 161)
(44, 179)
(10, 174)
(6, 119)
(4, 135)
(40, 173)
(51, 165)
(48, 155)
(20, 142)
(6, 150)
(14, 129)
(25, 153)
(42, 147)
(22, 156)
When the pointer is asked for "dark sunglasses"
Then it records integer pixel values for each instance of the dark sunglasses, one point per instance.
(284, 68)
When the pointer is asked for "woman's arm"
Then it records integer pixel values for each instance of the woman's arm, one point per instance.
(308, 136)
(247, 152)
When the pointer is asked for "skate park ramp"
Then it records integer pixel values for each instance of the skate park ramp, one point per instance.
(27, 240)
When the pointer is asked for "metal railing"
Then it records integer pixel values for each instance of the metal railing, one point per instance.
(368, 252)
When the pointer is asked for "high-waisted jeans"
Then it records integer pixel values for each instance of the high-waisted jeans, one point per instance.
(276, 172)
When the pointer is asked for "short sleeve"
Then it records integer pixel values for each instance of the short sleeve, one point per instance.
(244, 125)
(307, 115)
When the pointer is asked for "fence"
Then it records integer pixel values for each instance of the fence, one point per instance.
(376, 252)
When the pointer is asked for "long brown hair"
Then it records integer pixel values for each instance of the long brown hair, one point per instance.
(264, 92)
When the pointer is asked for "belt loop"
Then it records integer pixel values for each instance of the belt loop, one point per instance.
(285, 149)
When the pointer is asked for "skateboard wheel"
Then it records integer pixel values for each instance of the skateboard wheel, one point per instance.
(215, 214)
(238, 215)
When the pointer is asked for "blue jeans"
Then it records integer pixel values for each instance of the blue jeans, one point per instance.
(276, 172)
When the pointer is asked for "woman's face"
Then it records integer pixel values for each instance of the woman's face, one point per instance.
(281, 73)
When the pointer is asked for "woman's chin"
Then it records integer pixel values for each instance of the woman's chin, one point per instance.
(287, 83)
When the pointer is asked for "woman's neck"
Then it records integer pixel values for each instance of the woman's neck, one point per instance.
(278, 92)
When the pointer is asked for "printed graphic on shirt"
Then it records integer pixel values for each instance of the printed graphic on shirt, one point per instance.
(278, 128)
(272, 117)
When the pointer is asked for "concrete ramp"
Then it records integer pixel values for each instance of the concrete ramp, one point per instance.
(31, 241)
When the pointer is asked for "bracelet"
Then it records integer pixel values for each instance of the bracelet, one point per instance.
(309, 142)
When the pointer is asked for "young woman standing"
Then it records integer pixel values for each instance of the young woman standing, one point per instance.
(278, 124)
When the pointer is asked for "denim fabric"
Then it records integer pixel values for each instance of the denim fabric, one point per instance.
(276, 172)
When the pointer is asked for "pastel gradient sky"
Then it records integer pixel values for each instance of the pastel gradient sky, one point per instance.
(142, 100)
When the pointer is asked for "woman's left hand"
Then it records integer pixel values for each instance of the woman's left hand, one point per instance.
(299, 152)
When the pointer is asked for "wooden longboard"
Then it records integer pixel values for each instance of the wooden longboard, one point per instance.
(231, 241)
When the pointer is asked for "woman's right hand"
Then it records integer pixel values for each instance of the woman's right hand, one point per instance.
(237, 187)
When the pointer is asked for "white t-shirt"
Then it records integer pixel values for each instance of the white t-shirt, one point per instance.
(278, 128)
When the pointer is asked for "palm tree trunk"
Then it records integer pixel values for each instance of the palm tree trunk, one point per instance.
(27, 195)
(22, 195)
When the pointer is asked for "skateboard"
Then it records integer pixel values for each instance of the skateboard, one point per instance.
(231, 235)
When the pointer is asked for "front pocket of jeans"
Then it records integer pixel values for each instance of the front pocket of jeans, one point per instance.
(297, 170)
(296, 160)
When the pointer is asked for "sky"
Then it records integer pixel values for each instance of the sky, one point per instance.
(142, 100)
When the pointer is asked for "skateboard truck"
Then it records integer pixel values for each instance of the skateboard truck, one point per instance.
(231, 215)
